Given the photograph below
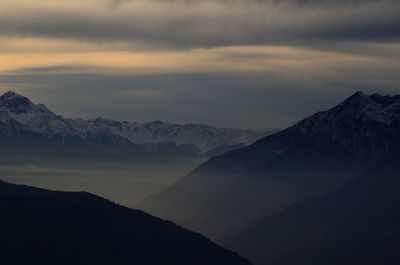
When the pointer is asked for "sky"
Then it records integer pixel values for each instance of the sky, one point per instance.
(233, 63)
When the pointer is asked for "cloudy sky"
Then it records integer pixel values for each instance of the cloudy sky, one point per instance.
(236, 63)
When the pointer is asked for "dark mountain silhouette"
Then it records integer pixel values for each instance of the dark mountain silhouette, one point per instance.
(357, 224)
(316, 155)
(47, 227)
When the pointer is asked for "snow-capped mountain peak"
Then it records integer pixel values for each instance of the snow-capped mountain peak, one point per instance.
(355, 111)
(37, 118)
(362, 127)
(367, 108)
(10, 95)
(18, 104)
(15, 103)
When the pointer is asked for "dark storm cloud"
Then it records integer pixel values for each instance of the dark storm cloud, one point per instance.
(192, 24)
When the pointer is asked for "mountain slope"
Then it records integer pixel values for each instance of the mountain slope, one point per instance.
(316, 155)
(356, 224)
(47, 227)
(20, 119)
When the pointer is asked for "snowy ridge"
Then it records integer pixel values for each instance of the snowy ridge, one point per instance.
(363, 108)
(33, 118)
(358, 109)
(367, 126)
(202, 136)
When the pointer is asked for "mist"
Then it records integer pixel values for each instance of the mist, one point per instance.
(124, 181)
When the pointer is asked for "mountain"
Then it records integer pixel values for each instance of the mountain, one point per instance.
(24, 124)
(357, 224)
(314, 156)
(49, 227)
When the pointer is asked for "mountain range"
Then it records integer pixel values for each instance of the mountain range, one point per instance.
(316, 155)
(323, 191)
(49, 227)
(24, 124)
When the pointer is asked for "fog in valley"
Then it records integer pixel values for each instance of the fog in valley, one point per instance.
(209, 132)
(125, 181)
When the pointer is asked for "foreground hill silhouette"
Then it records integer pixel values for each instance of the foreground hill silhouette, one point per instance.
(314, 156)
(39, 226)
(357, 224)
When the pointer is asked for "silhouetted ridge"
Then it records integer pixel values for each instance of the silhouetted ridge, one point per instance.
(39, 226)
(315, 155)
(361, 126)
(357, 224)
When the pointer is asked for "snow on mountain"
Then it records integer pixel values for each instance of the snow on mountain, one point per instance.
(203, 136)
(18, 109)
(362, 124)
(359, 108)
(36, 118)
(316, 155)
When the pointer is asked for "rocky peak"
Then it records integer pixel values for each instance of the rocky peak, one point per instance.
(17, 104)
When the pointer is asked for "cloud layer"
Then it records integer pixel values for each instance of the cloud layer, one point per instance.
(236, 63)
(178, 24)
